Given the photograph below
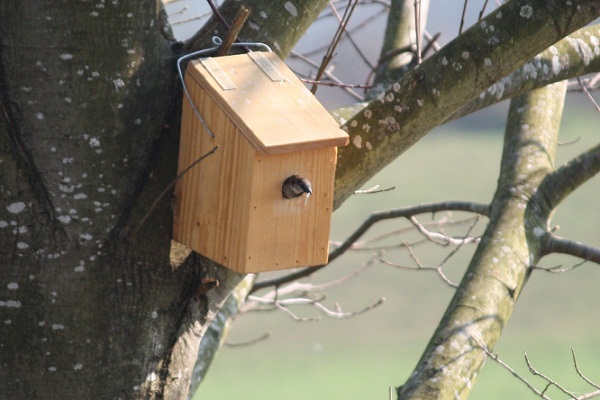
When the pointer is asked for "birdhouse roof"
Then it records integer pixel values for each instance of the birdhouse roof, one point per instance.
(267, 102)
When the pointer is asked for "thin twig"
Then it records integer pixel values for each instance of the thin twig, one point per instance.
(250, 342)
(588, 94)
(336, 84)
(329, 75)
(366, 244)
(417, 5)
(514, 373)
(482, 9)
(184, 20)
(535, 372)
(336, 38)
(339, 314)
(166, 190)
(352, 41)
(559, 269)
(294, 316)
(432, 39)
(462, 18)
(440, 238)
(300, 287)
(374, 189)
(354, 29)
(585, 378)
(420, 266)
(234, 30)
(482, 209)
(218, 14)
(461, 244)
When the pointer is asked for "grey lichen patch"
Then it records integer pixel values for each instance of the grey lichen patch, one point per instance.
(389, 125)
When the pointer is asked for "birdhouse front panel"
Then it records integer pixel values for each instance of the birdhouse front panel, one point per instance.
(231, 206)
(287, 233)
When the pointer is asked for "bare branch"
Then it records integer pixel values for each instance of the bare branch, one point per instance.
(418, 30)
(438, 269)
(453, 252)
(556, 244)
(370, 243)
(549, 382)
(591, 383)
(338, 313)
(406, 212)
(348, 35)
(281, 307)
(165, 191)
(329, 75)
(559, 269)
(420, 266)
(514, 373)
(334, 42)
(429, 94)
(336, 84)
(588, 94)
(374, 189)
(539, 72)
(483, 9)
(583, 84)
(259, 339)
(535, 372)
(440, 238)
(462, 18)
(558, 185)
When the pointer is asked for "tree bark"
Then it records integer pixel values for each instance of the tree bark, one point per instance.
(92, 304)
(87, 89)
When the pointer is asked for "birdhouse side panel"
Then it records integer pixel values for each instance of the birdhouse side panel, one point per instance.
(187, 192)
(290, 233)
(212, 198)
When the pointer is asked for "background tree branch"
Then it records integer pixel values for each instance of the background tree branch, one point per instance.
(449, 79)
(488, 292)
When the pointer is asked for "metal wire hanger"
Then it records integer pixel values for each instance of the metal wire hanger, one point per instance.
(217, 41)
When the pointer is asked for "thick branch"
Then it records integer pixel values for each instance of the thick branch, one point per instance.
(487, 294)
(571, 57)
(558, 185)
(458, 73)
(555, 244)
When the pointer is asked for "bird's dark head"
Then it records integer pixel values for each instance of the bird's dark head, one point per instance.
(295, 186)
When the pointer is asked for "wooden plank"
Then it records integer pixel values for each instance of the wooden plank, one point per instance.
(276, 117)
(297, 232)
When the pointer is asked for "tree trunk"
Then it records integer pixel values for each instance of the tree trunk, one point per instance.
(86, 91)
(92, 304)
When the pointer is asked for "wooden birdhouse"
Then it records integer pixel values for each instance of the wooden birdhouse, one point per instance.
(230, 207)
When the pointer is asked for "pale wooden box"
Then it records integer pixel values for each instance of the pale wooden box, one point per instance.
(268, 126)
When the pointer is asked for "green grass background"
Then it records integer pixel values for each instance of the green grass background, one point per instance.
(361, 357)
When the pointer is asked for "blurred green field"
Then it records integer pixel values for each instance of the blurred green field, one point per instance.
(361, 357)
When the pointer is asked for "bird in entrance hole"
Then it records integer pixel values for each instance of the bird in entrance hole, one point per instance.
(295, 186)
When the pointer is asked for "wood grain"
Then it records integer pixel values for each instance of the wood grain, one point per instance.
(230, 207)
(276, 117)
